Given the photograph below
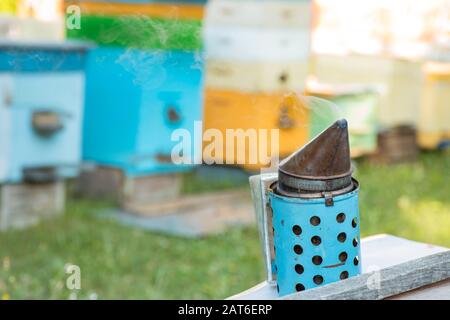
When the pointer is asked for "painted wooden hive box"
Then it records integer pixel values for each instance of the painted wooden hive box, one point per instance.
(41, 108)
(357, 103)
(257, 55)
(140, 24)
(134, 102)
(144, 81)
(434, 127)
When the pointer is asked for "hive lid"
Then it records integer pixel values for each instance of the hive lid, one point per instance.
(319, 89)
(63, 46)
(321, 165)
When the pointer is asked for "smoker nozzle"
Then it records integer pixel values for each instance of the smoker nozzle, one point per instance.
(322, 165)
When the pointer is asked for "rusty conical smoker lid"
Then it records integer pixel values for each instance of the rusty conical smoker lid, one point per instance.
(320, 166)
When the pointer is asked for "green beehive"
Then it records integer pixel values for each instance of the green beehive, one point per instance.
(355, 103)
(141, 32)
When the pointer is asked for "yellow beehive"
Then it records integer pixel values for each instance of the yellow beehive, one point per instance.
(8, 6)
(159, 10)
(226, 109)
(434, 124)
(399, 82)
(256, 77)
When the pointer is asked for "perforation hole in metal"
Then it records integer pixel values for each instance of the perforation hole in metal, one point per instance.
(297, 230)
(340, 218)
(315, 221)
(342, 237)
(298, 249)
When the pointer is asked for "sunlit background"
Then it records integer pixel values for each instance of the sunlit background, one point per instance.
(92, 91)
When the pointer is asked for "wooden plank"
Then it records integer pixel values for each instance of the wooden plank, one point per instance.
(149, 195)
(436, 291)
(22, 205)
(396, 145)
(188, 202)
(392, 281)
(378, 252)
(205, 215)
(100, 182)
(155, 202)
(143, 194)
(259, 185)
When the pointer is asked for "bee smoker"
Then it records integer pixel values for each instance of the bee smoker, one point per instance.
(308, 215)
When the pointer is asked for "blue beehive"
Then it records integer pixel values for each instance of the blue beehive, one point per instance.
(144, 81)
(135, 99)
(41, 100)
(315, 214)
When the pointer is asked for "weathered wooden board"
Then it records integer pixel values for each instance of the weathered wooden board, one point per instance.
(397, 265)
(141, 191)
(396, 145)
(437, 291)
(100, 183)
(22, 205)
(189, 203)
(386, 282)
(258, 186)
(144, 195)
(193, 216)
(155, 202)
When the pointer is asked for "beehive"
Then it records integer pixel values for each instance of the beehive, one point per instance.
(256, 77)
(256, 53)
(171, 10)
(40, 132)
(137, 31)
(399, 82)
(358, 104)
(259, 14)
(396, 145)
(23, 205)
(147, 95)
(255, 111)
(165, 25)
(434, 127)
(251, 44)
(8, 6)
(145, 77)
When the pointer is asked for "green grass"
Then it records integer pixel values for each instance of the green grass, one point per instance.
(410, 200)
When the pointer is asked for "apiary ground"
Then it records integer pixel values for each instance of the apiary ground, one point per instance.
(116, 261)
